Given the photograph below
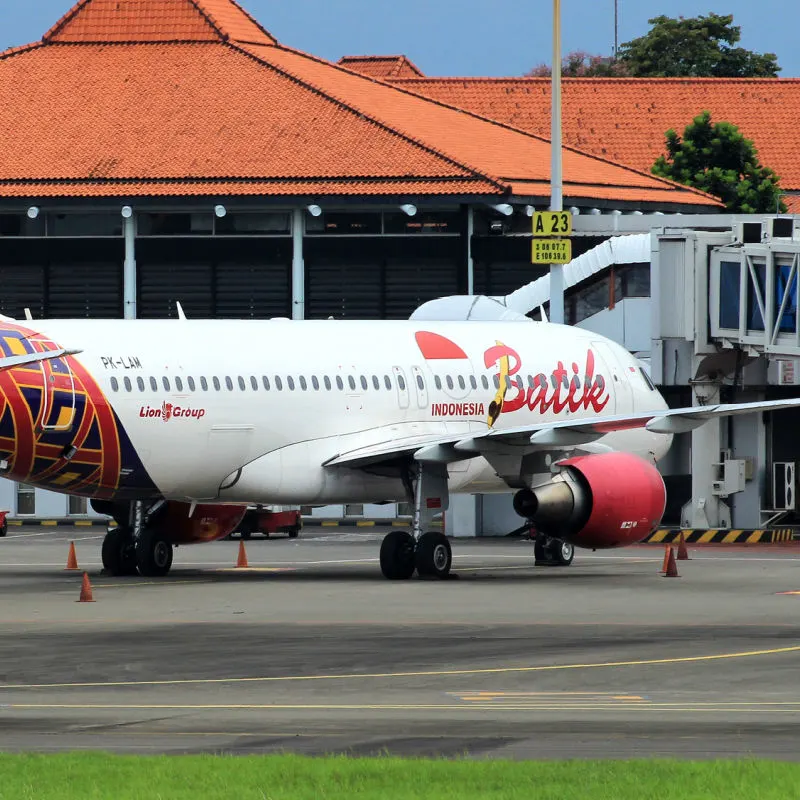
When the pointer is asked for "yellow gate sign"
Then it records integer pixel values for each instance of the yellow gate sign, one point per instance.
(552, 251)
(552, 223)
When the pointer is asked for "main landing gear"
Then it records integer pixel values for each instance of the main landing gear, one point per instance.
(426, 552)
(138, 546)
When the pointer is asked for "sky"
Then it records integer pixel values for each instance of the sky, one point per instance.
(468, 37)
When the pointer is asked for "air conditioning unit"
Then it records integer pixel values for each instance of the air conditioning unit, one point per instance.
(784, 485)
(748, 232)
(781, 228)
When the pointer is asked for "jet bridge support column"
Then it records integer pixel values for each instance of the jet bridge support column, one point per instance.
(129, 268)
(706, 509)
(298, 266)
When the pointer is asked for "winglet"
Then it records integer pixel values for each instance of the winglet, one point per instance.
(181, 315)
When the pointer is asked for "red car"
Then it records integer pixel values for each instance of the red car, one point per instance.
(3, 523)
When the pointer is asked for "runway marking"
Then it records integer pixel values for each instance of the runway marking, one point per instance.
(417, 674)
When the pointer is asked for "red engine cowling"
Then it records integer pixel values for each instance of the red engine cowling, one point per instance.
(205, 524)
(598, 501)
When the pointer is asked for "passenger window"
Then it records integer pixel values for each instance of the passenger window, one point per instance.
(140, 384)
(364, 384)
(128, 385)
(242, 384)
(328, 383)
(420, 382)
(290, 383)
(461, 383)
(496, 381)
(388, 381)
(352, 382)
(473, 382)
(484, 382)
(217, 384)
(449, 382)
(278, 383)
(265, 381)
(204, 384)
(303, 383)
(254, 382)
(229, 383)
(154, 384)
(114, 385)
(179, 384)
(376, 383)
(401, 382)
(437, 381)
(339, 383)
(165, 381)
(192, 386)
(315, 383)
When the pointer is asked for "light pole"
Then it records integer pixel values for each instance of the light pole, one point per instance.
(556, 176)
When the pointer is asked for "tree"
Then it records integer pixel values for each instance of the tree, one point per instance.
(579, 64)
(716, 158)
(695, 47)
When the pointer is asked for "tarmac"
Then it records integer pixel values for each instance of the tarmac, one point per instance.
(311, 651)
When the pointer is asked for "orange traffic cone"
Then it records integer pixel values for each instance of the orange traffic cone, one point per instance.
(86, 591)
(667, 551)
(683, 552)
(672, 566)
(72, 559)
(242, 562)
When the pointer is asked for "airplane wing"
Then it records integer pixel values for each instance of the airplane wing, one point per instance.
(10, 362)
(544, 436)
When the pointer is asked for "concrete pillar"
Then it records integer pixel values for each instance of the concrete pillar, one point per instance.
(470, 262)
(129, 269)
(463, 518)
(298, 266)
(705, 510)
(750, 441)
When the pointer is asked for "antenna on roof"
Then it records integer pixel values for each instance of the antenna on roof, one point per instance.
(28, 315)
(181, 315)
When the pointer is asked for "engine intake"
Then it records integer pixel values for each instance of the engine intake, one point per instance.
(598, 501)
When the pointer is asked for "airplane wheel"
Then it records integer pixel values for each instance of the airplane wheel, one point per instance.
(434, 557)
(118, 553)
(561, 553)
(153, 554)
(397, 555)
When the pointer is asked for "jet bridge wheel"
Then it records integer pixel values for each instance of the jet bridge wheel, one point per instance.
(434, 557)
(153, 554)
(397, 555)
(118, 554)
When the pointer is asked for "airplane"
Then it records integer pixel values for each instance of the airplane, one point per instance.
(174, 427)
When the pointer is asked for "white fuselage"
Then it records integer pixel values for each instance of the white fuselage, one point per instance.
(259, 406)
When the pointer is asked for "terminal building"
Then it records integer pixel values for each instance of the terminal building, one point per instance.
(174, 151)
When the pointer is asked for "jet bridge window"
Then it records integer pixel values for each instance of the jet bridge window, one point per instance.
(114, 385)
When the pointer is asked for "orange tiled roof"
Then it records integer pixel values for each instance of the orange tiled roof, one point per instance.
(190, 97)
(384, 67)
(625, 119)
(792, 203)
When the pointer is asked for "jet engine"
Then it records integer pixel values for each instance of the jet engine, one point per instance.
(597, 501)
(206, 523)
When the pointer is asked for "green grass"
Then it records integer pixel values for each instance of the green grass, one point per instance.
(93, 775)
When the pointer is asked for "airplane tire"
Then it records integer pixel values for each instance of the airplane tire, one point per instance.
(561, 553)
(397, 556)
(118, 553)
(153, 554)
(434, 556)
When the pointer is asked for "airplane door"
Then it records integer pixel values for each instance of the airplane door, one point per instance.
(58, 397)
(619, 388)
(402, 387)
(420, 387)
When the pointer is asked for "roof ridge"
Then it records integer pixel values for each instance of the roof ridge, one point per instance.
(589, 79)
(200, 5)
(360, 112)
(67, 17)
(14, 51)
(508, 127)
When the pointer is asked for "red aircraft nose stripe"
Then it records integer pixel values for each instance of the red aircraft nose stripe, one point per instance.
(433, 346)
